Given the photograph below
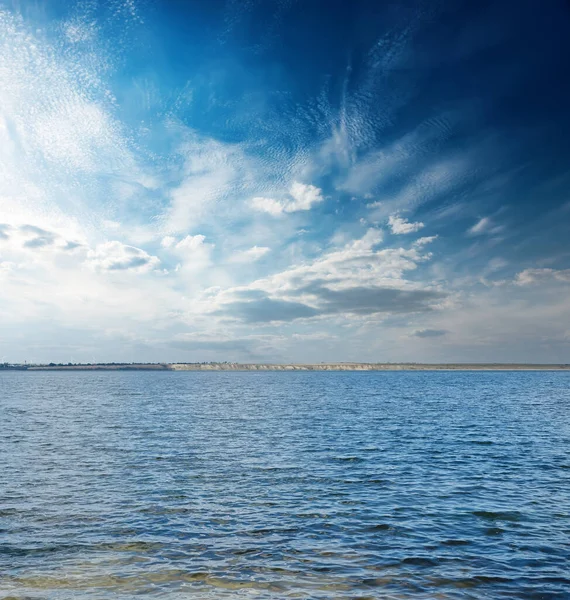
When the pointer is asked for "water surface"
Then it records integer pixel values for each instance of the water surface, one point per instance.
(284, 485)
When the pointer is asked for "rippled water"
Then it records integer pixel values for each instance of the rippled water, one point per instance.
(285, 485)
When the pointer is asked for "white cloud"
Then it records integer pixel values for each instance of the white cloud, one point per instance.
(110, 224)
(194, 253)
(357, 279)
(484, 226)
(116, 256)
(50, 286)
(27, 241)
(431, 182)
(535, 276)
(191, 243)
(74, 176)
(78, 31)
(481, 226)
(268, 205)
(357, 263)
(56, 105)
(304, 197)
(213, 177)
(251, 255)
(376, 204)
(429, 333)
(401, 226)
(425, 240)
(316, 336)
(63, 151)
(377, 166)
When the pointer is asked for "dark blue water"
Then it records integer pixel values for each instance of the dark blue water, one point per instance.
(285, 485)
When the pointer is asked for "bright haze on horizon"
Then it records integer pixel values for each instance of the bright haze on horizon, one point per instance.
(284, 181)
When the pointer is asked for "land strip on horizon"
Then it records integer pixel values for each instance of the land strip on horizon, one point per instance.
(337, 366)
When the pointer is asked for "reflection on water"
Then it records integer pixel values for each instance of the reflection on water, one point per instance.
(284, 485)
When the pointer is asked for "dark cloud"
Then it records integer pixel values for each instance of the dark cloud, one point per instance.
(427, 333)
(370, 300)
(33, 230)
(37, 237)
(40, 242)
(72, 245)
(259, 308)
(42, 237)
(4, 231)
(265, 309)
(129, 263)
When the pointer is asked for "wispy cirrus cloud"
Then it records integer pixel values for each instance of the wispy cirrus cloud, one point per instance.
(484, 226)
(212, 176)
(62, 145)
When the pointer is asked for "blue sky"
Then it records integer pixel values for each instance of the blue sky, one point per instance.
(284, 181)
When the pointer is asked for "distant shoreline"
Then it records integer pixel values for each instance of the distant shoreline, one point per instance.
(287, 367)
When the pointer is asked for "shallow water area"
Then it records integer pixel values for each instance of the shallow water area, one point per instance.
(284, 485)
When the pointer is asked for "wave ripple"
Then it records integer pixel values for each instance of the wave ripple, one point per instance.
(284, 485)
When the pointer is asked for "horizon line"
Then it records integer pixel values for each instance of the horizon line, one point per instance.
(287, 366)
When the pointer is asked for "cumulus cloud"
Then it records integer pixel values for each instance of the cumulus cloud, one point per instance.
(190, 243)
(268, 205)
(193, 246)
(360, 262)
(302, 197)
(192, 251)
(401, 226)
(116, 256)
(357, 279)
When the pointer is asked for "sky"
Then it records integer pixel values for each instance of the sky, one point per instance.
(284, 181)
